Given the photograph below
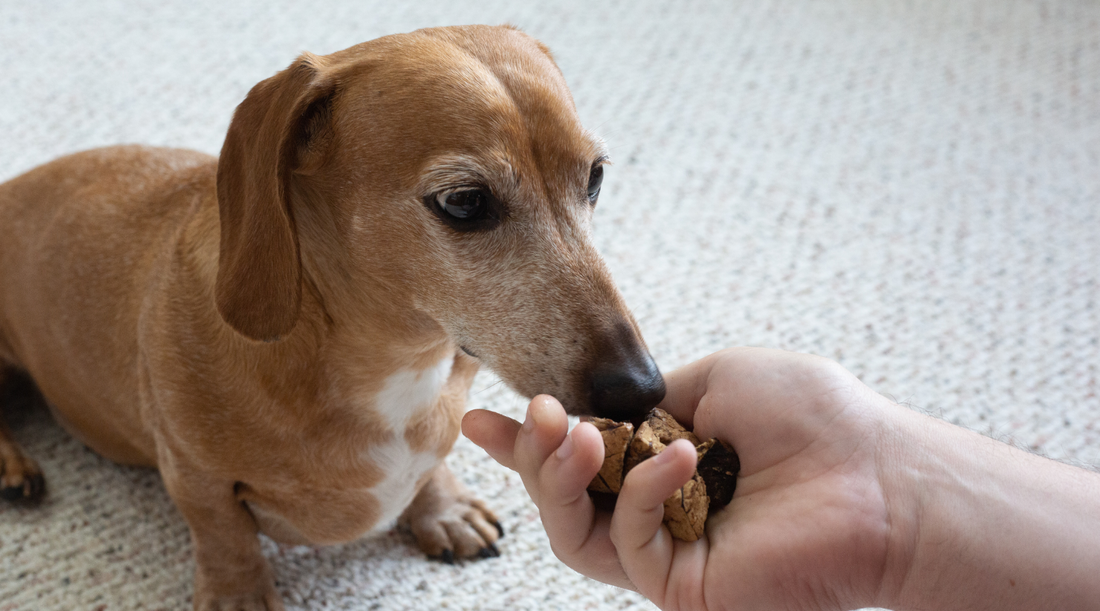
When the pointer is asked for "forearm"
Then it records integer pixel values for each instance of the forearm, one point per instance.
(988, 526)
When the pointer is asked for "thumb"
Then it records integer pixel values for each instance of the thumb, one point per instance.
(685, 387)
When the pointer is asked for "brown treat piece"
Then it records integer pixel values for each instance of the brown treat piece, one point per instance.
(702, 448)
(616, 439)
(645, 444)
(667, 429)
(718, 467)
(686, 510)
(657, 431)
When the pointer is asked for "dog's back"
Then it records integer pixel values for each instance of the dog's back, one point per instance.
(77, 233)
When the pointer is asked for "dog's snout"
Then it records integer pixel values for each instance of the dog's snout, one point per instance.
(625, 383)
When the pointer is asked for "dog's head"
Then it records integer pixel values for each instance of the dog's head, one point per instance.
(441, 176)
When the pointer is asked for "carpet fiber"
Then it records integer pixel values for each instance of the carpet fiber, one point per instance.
(910, 188)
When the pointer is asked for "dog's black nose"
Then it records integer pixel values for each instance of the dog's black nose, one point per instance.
(627, 393)
(626, 387)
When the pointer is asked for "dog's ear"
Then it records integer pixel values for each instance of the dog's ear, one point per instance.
(259, 285)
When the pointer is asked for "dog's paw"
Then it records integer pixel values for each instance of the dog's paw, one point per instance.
(239, 580)
(20, 476)
(460, 527)
(262, 601)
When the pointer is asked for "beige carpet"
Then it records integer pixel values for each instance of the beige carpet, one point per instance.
(912, 188)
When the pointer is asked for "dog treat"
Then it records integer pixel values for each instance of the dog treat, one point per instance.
(616, 440)
(718, 466)
(686, 511)
(667, 429)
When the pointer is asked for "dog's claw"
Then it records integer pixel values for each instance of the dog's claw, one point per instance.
(448, 556)
(37, 487)
(34, 485)
(489, 552)
(500, 528)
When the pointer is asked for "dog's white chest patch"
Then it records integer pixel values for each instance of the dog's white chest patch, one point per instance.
(403, 468)
(406, 394)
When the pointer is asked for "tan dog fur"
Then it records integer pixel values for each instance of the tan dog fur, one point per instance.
(278, 330)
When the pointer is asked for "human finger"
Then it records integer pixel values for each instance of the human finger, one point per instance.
(578, 533)
(686, 386)
(494, 433)
(645, 548)
(543, 430)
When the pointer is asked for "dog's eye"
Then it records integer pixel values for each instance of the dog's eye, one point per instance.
(595, 179)
(464, 205)
(472, 208)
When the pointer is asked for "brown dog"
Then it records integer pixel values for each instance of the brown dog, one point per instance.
(288, 332)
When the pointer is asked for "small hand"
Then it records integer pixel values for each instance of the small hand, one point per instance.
(807, 527)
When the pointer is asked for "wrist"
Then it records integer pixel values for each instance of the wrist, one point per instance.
(901, 447)
(979, 524)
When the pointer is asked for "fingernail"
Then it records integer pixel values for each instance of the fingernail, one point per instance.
(536, 413)
(565, 450)
(662, 457)
(529, 422)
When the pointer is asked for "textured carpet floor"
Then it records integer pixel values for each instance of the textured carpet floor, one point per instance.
(911, 188)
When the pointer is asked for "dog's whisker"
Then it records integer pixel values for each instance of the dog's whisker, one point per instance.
(489, 387)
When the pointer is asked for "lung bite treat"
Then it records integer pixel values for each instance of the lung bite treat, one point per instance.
(686, 511)
(718, 466)
(616, 440)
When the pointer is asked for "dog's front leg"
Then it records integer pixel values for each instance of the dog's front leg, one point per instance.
(230, 571)
(448, 522)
